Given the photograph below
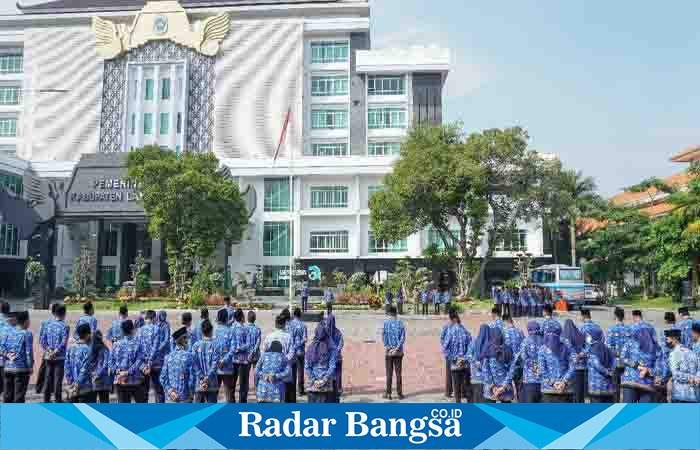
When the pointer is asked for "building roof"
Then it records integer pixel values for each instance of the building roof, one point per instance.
(630, 198)
(59, 6)
(689, 154)
(409, 59)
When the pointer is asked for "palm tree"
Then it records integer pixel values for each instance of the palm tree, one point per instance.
(583, 197)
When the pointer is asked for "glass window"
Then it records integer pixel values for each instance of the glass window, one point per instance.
(11, 63)
(165, 89)
(272, 278)
(329, 119)
(435, 240)
(570, 275)
(164, 123)
(179, 123)
(147, 123)
(329, 149)
(386, 85)
(277, 196)
(149, 89)
(8, 127)
(329, 242)
(329, 52)
(382, 246)
(9, 95)
(8, 150)
(277, 239)
(513, 242)
(386, 118)
(383, 148)
(327, 86)
(329, 197)
(13, 183)
(109, 241)
(371, 190)
(107, 276)
(9, 240)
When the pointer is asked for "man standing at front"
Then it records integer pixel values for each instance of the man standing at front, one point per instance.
(683, 365)
(19, 360)
(150, 336)
(240, 348)
(685, 325)
(394, 337)
(305, 297)
(54, 343)
(177, 377)
(126, 363)
(280, 334)
(299, 337)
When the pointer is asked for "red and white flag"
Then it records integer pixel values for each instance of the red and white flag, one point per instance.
(283, 136)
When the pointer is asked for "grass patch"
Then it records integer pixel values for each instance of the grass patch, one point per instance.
(637, 302)
(113, 305)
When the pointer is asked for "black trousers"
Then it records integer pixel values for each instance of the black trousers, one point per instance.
(505, 309)
(557, 398)
(300, 372)
(424, 309)
(531, 393)
(617, 381)
(448, 379)
(399, 308)
(153, 379)
(437, 308)
(206, 397)
(461, 387)
(304, 303)
(602, 398)
(54, 381)
(321, 397)
(580, 386)
(635, 395)
(290, 388)
(227, 382)
(85, 397)
(129, 392)
(103, 396)
(16, 384)
(240, 372)
(477, 392)
(393, 364)
(338, 385)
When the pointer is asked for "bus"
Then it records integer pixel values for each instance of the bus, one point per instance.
(565, 282)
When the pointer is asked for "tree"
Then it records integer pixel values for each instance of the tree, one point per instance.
(191, 203)
(580, 193)
(81, 279)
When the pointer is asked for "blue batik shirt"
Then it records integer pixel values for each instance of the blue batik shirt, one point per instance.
(19, 351)
(222, 341)
(270, 375)
(549, 323)
(240, 344)
(496, 373)
(163, 341)
(513, 337)
(79, 366)
(114, 333)
(600, 378)
(684, 368)
(526, 357)
(555, 369)
(255, 336)
(634, 359)
(498, 323)
(5, 331)
(474, 364)
(320, 376)
(149, 335)
(686, 327)
(455, 347)
(177, 375)
(618, 335)
(424, 297)
(580, 357)
(205, 364)
(101, 378)
(339, 343)
(394, 335)
(54, 340)
(128, 355)
(230, 311)
(298, 331)
(90, 320)
(524, 297)
(443, 337)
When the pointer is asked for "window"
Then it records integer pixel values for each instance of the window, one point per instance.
(329, 52)
(136, 89)
(382, 246)
(277, 196)
(329, 242)
(13, 183)
(272, 277)
(9, 95)
(329, 119)
(371, 190)
(109, 241)
(164, 123)
(513, 242)
(147, 123)
(327, 86)
(107, 276)
(11, 63)
(386, 85)
(570, 275)
(133, 124)
(435, 240)
(165, 89)
(179, 123)
(8, 150)
(149, 89)
(277, 239)
(386, 118)
(329, 149)
(9, 240)
(383, 148)
(329, 197)
(8, 127)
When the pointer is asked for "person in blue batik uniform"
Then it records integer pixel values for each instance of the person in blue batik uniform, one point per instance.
(299, 334)
(548, 320)
(496, 321)
(574, 338)
(150, 337)
(454, 347)
(523, 298)
(507, 307)
(394, 337)
(321, 357)
(126, 363)
(424, 300)
(204, 365)
(255, 340)
(639, 356)
(140, 320)
(54, 342)
(399, 300)
(556, 361)
(587, 323)
(338, 341)
(100, 376)
(222, 341)
(696, 339)
(684, 369)
(497, 298)
(164, 328)
(475, 349)
(197, 332)
(600, 362)
(177, 376)
(280, 334)
(685, 325)
(186, 321)
(513, 337)
(240, 349)
(526, 357)
(7, 327)
(114, 333)
(496, 361)
(270, 375)
(88, 317)
(78, 368)
(448, 371)
(230, 310)
(328, 297)
(19, 360)
(305, 296)
(616, 340)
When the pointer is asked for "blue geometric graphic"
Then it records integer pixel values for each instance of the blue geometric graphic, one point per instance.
(161, 435)
(194, 438)
(582, 435)
(530, 431)
(72, 414)
(506, 438)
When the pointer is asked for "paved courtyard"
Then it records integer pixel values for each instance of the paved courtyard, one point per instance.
(363, 360)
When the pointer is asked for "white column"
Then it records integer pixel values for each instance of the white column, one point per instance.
(138, 108)
(183, 106)
(357, 244)
(172, 137)
(156, 105)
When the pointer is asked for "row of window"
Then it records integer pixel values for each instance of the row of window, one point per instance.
(11, 64)
(149, 87)
(515, 242)
(341, 149)
(377, 118)
(9, 240)
(164, 122)
(333, 85)
(10, 95)
(14, 183)
(277, 198)
(8, 127)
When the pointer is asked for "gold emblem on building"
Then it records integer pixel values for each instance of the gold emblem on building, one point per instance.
(160, 20)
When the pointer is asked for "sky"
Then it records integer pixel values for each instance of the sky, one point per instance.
(612, 87)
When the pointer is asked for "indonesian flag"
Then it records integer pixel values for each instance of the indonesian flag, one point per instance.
(283, 136)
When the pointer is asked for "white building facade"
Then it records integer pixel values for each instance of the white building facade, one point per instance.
(279, 90)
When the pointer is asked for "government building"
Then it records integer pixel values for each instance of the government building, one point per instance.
(288, 94)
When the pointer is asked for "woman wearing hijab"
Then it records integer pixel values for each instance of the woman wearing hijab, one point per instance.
(601, 366)
(101, 379)
(573, 336)
(639, 357)
(476, 347)
(271, 374)
(527, 357)
(556, 361)
(337, 338)
(496, 361)
(454, 347)
(320, 366)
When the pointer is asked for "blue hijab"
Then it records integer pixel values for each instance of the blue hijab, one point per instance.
(552, 340)
(534, 331)
(321, 344)
(481, 342)
(599, 349)
(496, 346)
(646, 341)
(572, 334)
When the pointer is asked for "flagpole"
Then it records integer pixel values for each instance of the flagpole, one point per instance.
(291, 204)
